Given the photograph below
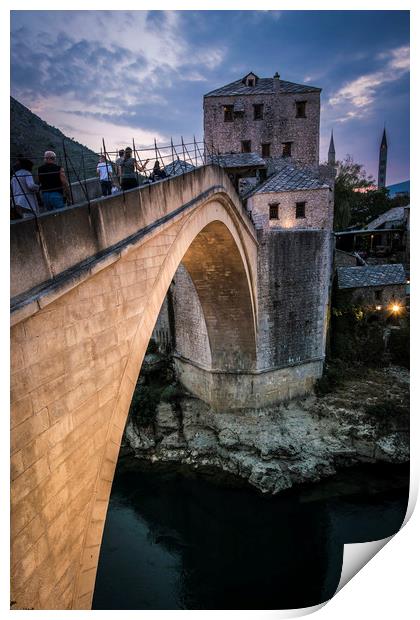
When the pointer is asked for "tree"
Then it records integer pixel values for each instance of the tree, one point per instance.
(370, 205)
(351, 178)
(357, 200)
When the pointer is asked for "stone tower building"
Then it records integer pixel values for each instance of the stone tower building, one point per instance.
(268, 123)
(267, 116)
(383, 154)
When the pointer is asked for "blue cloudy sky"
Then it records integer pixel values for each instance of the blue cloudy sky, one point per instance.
(140, 74)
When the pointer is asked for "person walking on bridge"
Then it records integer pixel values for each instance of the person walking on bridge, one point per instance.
(53, 182)
(118, 163)
(104, 170)
(128, 170)
(24, 189)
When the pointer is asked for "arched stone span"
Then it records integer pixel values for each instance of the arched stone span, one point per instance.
(75, 365)
(228, 314)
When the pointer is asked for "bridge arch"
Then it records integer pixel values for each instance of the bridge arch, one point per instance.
(92, 339)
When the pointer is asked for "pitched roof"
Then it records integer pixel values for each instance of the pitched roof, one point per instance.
(290, 177)
(392, 215)
(264, 86)
(178, 166)
(371, 275)
(238, 160)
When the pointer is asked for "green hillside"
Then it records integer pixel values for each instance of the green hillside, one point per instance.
(31, 136)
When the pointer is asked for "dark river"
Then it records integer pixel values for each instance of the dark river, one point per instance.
(176, 541)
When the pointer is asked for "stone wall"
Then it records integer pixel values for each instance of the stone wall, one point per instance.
(294, 279)
(230, 391)
(161, 331)
(191, 335)
(319, 209)
(367, 295)
(91, 187)
(279, 124)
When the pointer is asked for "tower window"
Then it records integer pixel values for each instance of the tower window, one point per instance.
(300, 210)
(274, 210)
(265, 149)
(250, 82)
(228, 113)
(287, 149)
(258, 111)
(300, 109)
(246, 146)
(378, 295)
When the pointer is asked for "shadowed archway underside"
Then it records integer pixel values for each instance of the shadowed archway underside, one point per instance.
(216, 268)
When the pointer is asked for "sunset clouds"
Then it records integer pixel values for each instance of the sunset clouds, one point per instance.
(142, 74)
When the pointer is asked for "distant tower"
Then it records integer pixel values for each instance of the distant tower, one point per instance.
(331, 151)
(383, 153)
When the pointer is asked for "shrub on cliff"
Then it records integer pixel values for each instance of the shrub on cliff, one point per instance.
(399, 347)
(333, 376)
(354, 338)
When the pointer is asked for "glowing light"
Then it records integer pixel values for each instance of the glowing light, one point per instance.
(395, 307)
(378, 307)
(408, 281)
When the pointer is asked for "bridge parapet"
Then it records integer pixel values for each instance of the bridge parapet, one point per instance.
(43, 248)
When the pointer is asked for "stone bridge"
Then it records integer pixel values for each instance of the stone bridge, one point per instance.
(87, 285)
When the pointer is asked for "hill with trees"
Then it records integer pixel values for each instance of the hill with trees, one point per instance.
(31, 136)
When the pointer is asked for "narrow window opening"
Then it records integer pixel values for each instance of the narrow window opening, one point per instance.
(300, 109)
(274, 211)
(287, 149)
(228, 113)
(265, 149)
(246, 146)
(258, 111)
(300, 210)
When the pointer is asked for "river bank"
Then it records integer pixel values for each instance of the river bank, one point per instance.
(364, 420)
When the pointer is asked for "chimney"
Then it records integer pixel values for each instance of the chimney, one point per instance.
(276, 82)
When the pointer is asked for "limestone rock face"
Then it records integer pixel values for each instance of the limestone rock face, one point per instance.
(291, 443)
(165, 418)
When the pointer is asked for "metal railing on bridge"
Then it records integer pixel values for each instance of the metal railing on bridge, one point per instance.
(153, 163)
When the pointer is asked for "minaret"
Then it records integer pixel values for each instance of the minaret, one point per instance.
(383, 153)
(331, 151)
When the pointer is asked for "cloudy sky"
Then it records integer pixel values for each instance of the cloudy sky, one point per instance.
(140, 74)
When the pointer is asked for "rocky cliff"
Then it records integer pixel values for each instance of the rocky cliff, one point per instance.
(365, 420)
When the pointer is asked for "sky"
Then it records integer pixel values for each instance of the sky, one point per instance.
(142, 74)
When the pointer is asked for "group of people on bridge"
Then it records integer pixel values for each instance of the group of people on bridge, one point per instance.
(52, 191)
(124, 174)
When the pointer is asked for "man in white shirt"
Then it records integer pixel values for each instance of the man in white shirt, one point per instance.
(104, 170)
(24, 189)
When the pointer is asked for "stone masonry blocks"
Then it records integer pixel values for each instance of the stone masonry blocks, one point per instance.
(71, 395)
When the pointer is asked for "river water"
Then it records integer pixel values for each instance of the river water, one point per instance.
(175, 540)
